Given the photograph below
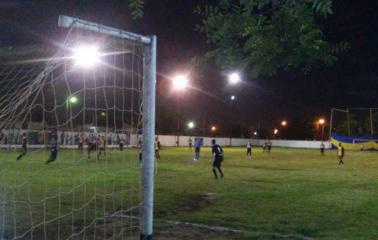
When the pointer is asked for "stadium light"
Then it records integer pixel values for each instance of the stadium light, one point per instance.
(255, 133)
(86, 55)
(73, 99)
(233, 97)
(103, 114)
(213, 128)
(180, 82)
(234, 78)
(284, 123)
(275, 132)
(321, 121)
(190, 125)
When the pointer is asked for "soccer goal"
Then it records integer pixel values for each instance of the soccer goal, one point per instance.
(71, 117)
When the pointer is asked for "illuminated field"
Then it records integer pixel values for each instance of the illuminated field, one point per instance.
(290, 193)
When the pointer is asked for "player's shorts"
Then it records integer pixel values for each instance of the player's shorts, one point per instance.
(197, 149)
(217, 161)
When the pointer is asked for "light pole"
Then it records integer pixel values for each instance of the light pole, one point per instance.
(179, 83)
(321, 122)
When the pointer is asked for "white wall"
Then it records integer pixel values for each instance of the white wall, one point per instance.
(167, 140)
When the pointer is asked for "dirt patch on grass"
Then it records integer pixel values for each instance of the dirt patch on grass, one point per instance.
(190, 204)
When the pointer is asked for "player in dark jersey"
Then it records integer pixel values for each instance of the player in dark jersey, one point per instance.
(218, 159)
(24, 143)
(54, 150)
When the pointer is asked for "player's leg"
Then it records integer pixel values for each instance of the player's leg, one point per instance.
(23, 153)
(215, 173)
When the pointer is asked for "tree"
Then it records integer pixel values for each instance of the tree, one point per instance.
(265, 36)
(268, 35)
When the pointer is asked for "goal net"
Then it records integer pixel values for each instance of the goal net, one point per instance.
(71, 122)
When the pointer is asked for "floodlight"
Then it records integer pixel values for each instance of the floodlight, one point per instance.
(234, 78)
(233, 97)
(73, 99)
(321, 121)
(190, 125)
(275, 131)
(180, 82)
(103, 114)
(86, 55)
(213, 128)
(284, 123)
(255, 133)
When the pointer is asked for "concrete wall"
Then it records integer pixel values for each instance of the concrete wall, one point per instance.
(167, 140)
(14, 139)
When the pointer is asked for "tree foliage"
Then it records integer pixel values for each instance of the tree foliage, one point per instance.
(268, 35)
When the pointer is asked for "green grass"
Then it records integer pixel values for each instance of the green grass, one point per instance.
(287, 192)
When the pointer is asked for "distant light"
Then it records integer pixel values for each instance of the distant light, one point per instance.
(284, 123)
(234, 78)
(103, 114)
(73, 99)
(275, 131)
(180, 82)
(255, 133)
(190, 125)
(321, 121)
(233, 97)
(213, 128)
(86, 55)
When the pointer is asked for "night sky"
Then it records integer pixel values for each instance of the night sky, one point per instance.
(261, 103)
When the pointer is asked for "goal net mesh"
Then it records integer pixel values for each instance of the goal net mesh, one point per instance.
(73, 180)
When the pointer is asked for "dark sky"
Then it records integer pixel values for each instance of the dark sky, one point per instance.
(299, 98)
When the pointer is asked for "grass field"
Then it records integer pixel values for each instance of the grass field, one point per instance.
(285, 194)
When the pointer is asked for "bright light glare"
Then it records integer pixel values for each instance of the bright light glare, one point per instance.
(103, 114)
(191, 125)
(86, 55)
(232, 97)
(284, 123)
(255, 133)
(275, 131)
(213, 128)
(234, 78)
(321, 121)
(73, 99)
(180, 82)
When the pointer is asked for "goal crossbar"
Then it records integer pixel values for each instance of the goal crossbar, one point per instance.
(67, 22)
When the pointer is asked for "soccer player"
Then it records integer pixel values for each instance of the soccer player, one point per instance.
(102, 144)
(121, 144)
(218, 159)
(80, 143)
(54, 150)
(269, 146)
(24, 143)
(197, 147)
(249, 149)
(190, 143)
(340, 153)
(157, 148)
(322, 147)
(91, 142)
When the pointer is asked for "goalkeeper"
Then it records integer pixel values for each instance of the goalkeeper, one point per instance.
(24, 143)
